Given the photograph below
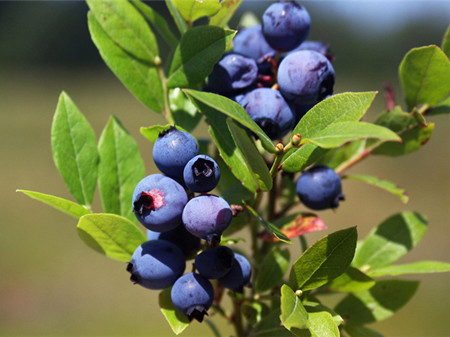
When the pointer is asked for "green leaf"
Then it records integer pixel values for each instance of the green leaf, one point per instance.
(352, 280)
(397, 120)
(377, 303)
(228, 7)
(231, 109)
(126, 27)
(177, 321)
(192, 10)
(389, 241)
(322, 324)
(325, 260)
(110, 234)
(141, 78)
(254, 159)
(254, 311)
(152, 132)
(199, 50)
(184, 112)
(272, 269)
(229, 151)
(412, 140)
(157, 21)
(421, 267)
(345, 107)
(121, 168)
(335, 157)
(270, 326)
(74, 150)
(179, 21)
(273, 230)
(445, 46)
(66, 206)
(312, 307)
(441, 108)
(338, 134)
(383, 184)
(361, 331)
(293, 313)
(424, 74)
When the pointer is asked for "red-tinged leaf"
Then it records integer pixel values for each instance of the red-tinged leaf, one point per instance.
(301, 224)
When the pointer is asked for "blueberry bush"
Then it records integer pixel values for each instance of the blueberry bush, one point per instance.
(279, 137)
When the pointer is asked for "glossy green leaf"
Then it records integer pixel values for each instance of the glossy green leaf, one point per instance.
(66, 206)
(192, 10)
(199, 50)
(229, 151)
(121, 168)
(157, 21)
(74, 150)
(254, 311)
(270, 228)
(232, 109)
(443, 108)
(389, 241)
(312, 307)
(361, 331)
(272, 269)
(421, 267)
(177, 18)
(351, 281)
(142, 79)
(228, 8)
(177, 321)
(424, 73)
(338, 134)
(335, 157)
(397, 120)
(123, 23)
(322, 324)
(377, 303)
(110, 234)
(325, 260)
(185, 114)
(270, 326)
(345, 107)
(383, 184)
(293, 313)
(251, 153)
(412, 140)
(445, 46)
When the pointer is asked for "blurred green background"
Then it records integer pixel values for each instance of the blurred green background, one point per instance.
(53, 285)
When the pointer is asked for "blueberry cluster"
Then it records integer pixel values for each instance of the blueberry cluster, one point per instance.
(177, 221)
(273, 72)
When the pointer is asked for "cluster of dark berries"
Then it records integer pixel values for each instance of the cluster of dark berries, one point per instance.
(177, 221)
(273, 72)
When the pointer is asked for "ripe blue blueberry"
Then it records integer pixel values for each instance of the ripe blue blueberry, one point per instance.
(207, 216)
(285, 25)
(232, 73)
(156, 264)
(306, 76)
(213, 263)
(158, 202)
(239, 275)
(250, 42)
(192, 295)
(270, 111)
(188, 243)
(172, 150)
(320, 188)
(201, 174)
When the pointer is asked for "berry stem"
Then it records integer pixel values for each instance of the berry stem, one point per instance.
(166, 111)
(237, 317)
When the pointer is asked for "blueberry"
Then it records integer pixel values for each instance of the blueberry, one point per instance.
(192, 295)
(239, 275)
(172, 150)
(188, 243)
(306, 76)
(156, 264)
(231, 74)
(270, 111)
(213, 263)
(201, 174)
(320, 188)
(207, 216)
(285, 25)
(250, 42)
(158, 202)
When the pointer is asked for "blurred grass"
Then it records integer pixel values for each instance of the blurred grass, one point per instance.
(53, 285)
